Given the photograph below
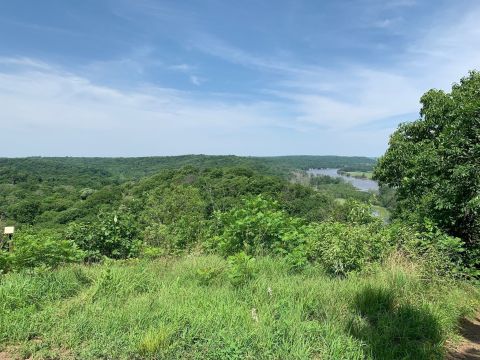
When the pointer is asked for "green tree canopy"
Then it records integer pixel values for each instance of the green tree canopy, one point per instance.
(434, 162)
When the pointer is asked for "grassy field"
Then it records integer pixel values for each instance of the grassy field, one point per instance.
(189, 309)
(360, 174)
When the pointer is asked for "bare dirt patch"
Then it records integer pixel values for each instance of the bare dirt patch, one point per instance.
(7, 355)
(470, 348)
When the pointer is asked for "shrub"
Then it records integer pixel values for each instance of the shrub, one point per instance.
(26, 211)
(5, 261)
(151, 252)
(342, 248)
(438, 252)
(359, 213)
(206, 275)
(241, 268)
(255, 227)
(114, 235)
(175, 218)
(32, 250)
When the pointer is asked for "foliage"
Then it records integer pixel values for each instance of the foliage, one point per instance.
(29, 249)
(51, 192)
(316, 180)
(158, 309)
(256, 227)
(241, 268)
(433, 164)
(438, 252)
(26, 211)
(341, 248)
(174, 218)
(338, 188)
(114, 235)
(387, 197)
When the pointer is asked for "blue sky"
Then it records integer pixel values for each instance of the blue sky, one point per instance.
(148, 77)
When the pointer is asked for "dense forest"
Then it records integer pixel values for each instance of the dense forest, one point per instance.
(213, 257)
(56, 191)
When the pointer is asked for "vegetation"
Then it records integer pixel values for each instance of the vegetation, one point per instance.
(52, 192)
(207, 257)
(206, 307)
(358, 174)
(340, 189)
(433, 165)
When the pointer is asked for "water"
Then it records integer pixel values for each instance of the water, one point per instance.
(360, 184)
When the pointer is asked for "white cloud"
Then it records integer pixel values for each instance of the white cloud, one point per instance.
(214, 46)
(309, 108)
(446, 51)
(24, 61)
(53, 101)
(353, 95)
(182, 67)
(195, 80)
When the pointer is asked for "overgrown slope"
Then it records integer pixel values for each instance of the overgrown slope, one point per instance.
(191, 308)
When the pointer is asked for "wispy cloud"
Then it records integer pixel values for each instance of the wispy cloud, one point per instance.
(182, 67)
(355, 94)
(214, 46)
(54, 100)
(24, 61)
(295, 105)
(195, 80)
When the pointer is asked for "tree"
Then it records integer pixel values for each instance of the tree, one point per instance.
(434, 163)
(26, 211)
(113, 234)
(174, 217)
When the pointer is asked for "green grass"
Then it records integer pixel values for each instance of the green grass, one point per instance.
(361, 174)
(169, 309)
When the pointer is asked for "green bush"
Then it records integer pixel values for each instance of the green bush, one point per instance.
(257, 226)
(438, 252)
(151, 252)
(114, 235)
(206, 275)
(174, 218)
(342, 248)
(26, 211)
(241, 268)
(5, 261)
(30, 250)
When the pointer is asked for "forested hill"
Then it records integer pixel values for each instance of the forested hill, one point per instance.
(49, 191)
(101, 171)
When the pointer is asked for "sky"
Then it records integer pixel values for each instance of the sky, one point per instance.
(248, 77)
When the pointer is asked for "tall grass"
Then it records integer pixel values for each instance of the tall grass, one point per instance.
(189, 309)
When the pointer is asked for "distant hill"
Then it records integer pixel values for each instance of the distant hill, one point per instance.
(85, 171)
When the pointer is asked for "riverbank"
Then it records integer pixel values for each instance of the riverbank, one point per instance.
(362, 184)
(358, 174)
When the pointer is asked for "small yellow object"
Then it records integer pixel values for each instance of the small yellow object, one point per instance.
(9, 230)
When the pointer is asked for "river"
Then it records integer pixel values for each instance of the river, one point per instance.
(360, 184)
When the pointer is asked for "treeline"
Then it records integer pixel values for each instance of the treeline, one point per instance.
(52, 191)
(236, 212)
(84, 171)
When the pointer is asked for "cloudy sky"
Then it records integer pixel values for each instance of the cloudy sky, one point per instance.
(245, 77)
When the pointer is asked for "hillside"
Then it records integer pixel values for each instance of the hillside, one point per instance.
(194, 308)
